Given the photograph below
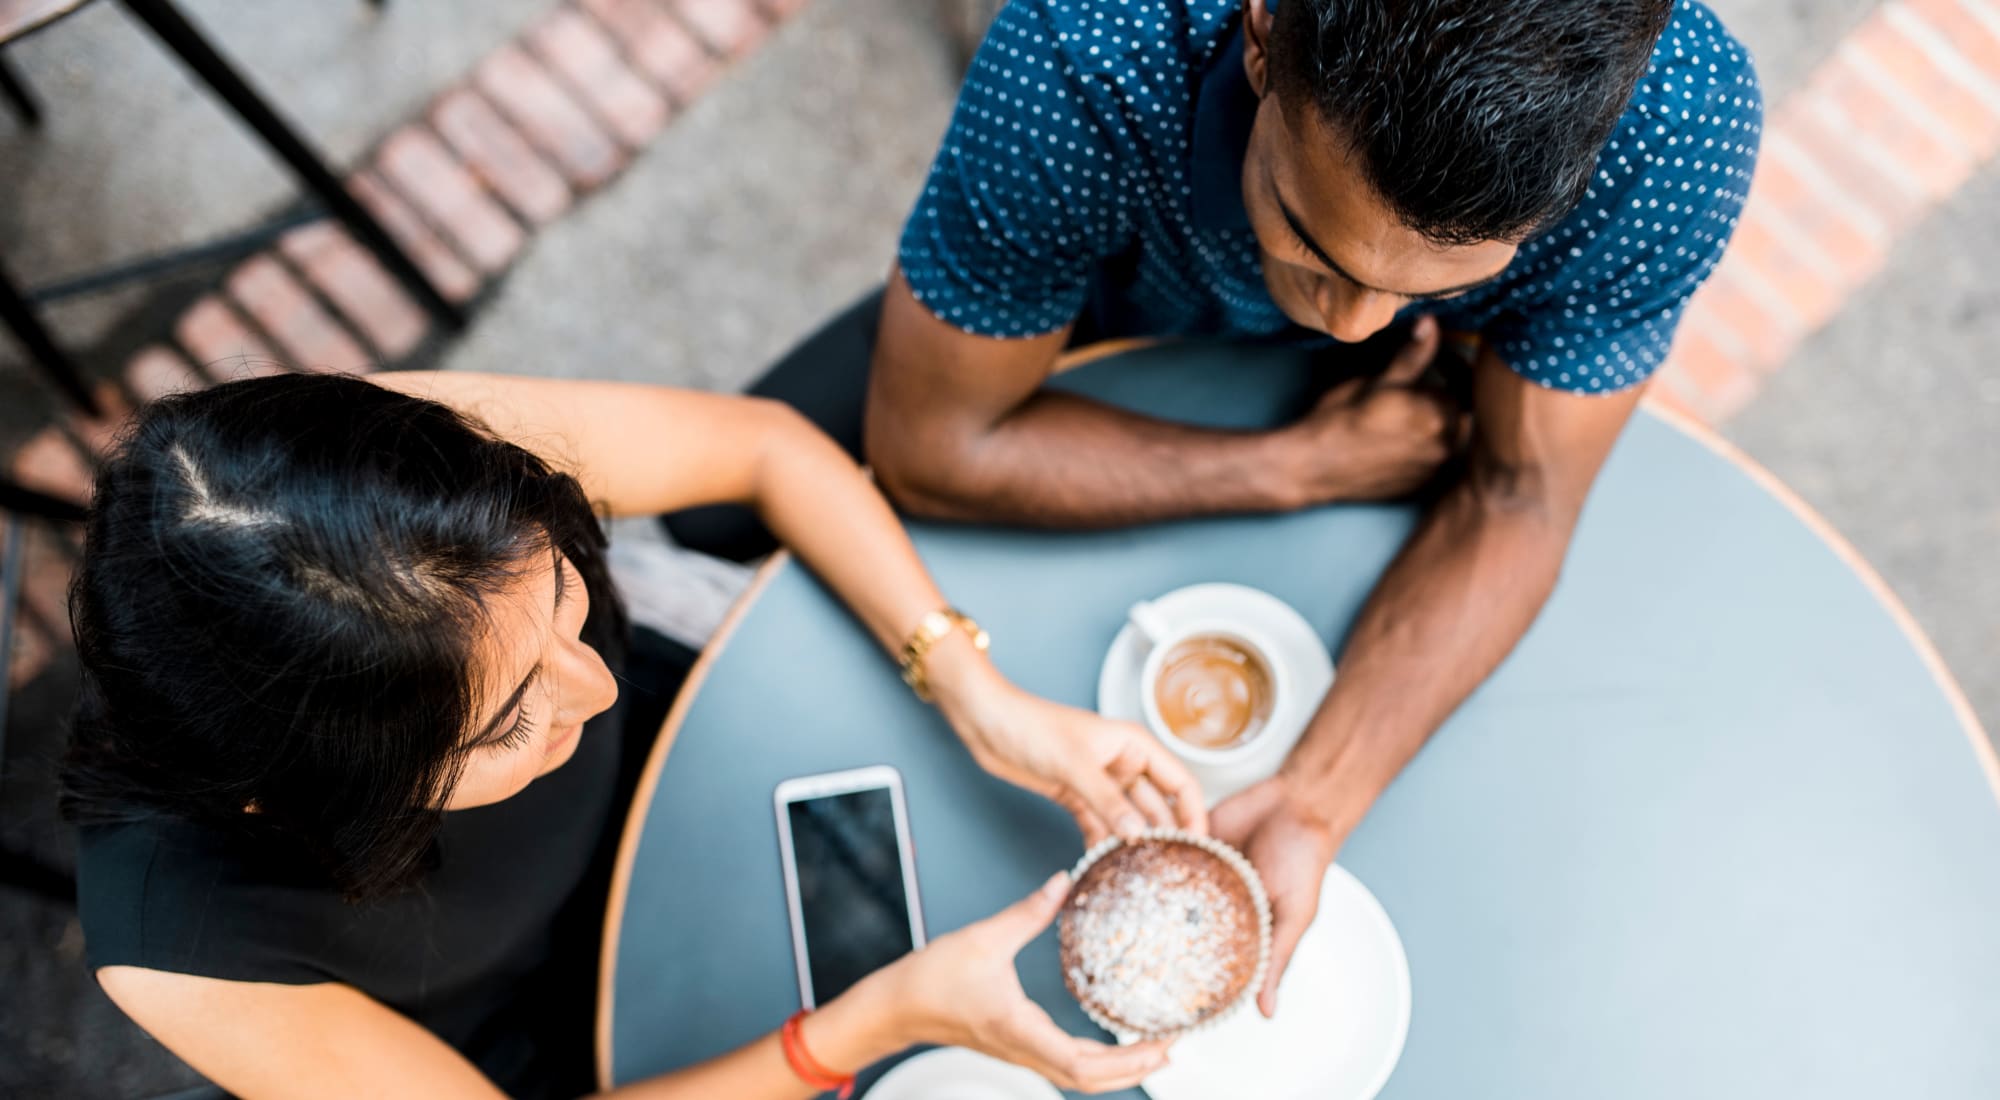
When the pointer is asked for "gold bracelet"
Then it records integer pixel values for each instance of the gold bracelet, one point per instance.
(932, 629)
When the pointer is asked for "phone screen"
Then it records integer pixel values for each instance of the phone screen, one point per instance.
(851, 898)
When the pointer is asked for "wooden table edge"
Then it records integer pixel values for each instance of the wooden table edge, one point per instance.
(642, 800)
(635, 821)
(37, 17)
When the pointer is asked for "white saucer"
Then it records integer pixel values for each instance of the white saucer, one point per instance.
(1343, 1013)
(954, 1073)
(1307, 666)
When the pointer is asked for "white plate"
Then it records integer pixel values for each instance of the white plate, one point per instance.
(1343, 1013)
(954, 1073)
(1307, 666)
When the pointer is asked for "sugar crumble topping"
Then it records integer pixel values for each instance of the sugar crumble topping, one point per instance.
(1160, 936)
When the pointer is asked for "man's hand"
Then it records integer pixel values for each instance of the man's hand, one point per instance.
(1291, 845)
(962, 427)
(1380, 437)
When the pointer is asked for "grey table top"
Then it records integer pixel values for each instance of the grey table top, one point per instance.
(1721, 827)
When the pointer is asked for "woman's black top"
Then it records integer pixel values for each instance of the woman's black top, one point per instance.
(494, 951)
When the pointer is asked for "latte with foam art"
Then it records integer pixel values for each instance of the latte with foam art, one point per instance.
(1213, 691)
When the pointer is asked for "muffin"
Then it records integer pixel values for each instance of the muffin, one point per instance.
(1164, 934)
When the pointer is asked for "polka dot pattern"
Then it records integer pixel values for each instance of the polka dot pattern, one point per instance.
(1072, 153)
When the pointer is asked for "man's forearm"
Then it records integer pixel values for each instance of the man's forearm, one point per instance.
(1065, 461)
(1452, 605)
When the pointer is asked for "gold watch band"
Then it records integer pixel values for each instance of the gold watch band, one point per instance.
(932, 629)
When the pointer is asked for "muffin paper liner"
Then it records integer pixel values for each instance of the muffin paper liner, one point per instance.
(1262, 901)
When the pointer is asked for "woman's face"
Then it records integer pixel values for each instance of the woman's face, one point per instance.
(541, 684)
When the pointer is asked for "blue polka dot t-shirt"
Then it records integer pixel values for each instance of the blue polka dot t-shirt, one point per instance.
(1094, 164)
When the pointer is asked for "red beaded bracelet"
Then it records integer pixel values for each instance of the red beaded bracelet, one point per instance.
(805, 1066)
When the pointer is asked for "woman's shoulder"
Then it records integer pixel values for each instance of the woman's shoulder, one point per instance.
(165, 893)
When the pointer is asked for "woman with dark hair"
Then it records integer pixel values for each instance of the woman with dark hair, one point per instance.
(345, 766)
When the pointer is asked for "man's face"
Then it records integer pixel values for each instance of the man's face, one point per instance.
(1336, 259)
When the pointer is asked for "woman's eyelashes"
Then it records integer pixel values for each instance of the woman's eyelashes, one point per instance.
(517, 735)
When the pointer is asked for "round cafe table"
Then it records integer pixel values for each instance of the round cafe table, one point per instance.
(1721, 827)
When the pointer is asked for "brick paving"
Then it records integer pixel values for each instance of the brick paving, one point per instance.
(584, 57)
(537, 124)
(356, 287)
(1894, 122)
(306, 335)
(550, 117)
(658, 45)
(444, 191)
(499, 157)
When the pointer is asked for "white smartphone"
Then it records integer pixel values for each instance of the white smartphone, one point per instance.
(850, 877)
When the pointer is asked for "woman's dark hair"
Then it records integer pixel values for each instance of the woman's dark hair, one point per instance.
(1476, 120)
(282, 587)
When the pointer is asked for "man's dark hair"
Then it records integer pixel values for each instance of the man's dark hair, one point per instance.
(1477, 120)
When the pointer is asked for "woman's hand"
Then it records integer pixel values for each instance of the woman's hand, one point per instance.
(1113, 777)
(962, 990)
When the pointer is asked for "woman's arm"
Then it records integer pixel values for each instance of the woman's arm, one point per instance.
(643, 450)
(260, 1040)
(264, 1041)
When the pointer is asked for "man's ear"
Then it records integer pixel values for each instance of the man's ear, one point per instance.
(1257, 17)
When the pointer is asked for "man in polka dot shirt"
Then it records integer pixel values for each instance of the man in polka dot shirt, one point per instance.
(1552, 177)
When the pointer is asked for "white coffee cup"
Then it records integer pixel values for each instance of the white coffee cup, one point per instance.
(1160, 637)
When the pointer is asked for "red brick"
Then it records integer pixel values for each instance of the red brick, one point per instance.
(660, 47)
(1717, 382)
(499, 158)
(1765, 340)
(158, 371)
(445, 268)
(1883, 42)
(1880, 126)
(416, 163)
(780, 10)
(1811, 292)
(1977, 39)
(1860, 174)
(45, 581)
(550, 117)
(310, 338)
(32, 652)
(1856, 252)
(49, 463)
(350, 277)
(98, 433)
(1665, 391)
(581, 54)
(216, 338)
(730, 27)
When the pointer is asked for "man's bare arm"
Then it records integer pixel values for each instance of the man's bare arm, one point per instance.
(959, 426)
(1456, 600)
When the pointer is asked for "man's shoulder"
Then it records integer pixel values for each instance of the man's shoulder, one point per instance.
(1700, 74)
(1101, 41)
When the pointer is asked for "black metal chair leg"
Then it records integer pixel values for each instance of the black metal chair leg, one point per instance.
(59, 368)
(29, 111)
(181, 37)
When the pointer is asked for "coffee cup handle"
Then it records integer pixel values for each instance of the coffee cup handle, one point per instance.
(1148, 623)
